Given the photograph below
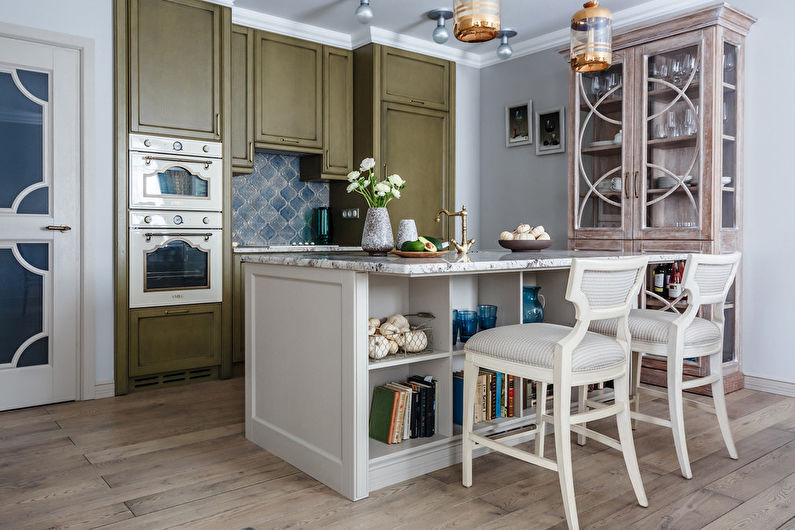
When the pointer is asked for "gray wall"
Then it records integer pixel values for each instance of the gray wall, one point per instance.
(516, 185)
(467, 149)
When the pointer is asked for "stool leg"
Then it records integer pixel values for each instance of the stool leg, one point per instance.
(562, 412)
(621, 386)
(470, 383)
(582, 395)
(541, 409)
(715, 367)
(637, 361)
(676, 412)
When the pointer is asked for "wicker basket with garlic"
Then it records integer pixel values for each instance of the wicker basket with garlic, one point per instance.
(398, 336)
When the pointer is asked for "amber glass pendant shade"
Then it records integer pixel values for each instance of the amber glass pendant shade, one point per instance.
(591, 38)
(476, 20)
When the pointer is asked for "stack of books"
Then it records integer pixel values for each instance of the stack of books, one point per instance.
(494, 396)
(400, 411)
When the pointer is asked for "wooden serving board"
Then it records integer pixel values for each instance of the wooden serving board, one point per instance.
(423, 254)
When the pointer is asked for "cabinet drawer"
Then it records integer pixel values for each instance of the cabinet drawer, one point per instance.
(289, 86)
(174, 338)
(415, 79)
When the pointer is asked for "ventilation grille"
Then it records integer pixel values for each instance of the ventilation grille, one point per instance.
(173, 378)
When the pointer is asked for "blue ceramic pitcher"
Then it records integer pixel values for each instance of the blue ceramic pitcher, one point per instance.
(532, 307)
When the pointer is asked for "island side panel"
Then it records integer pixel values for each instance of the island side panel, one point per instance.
(305, 358)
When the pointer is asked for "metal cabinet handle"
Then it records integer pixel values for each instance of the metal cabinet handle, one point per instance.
(251, 151)
(176, 311)
(217, 124)
(59, 228)
(148, 160)
(290, 141)
(385, 173)
(626, 184)
(637, 181)
(417, 101)
(150, 235)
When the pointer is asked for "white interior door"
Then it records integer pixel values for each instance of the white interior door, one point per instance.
(39, 191)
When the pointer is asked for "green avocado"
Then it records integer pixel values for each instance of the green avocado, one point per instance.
(429, 247)
(413, 246)
(436, 241)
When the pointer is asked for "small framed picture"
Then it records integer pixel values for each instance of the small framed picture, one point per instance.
(517, 124)
(551, 131)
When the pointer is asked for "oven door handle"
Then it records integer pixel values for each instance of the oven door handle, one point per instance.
(148, 160)
(150, 235)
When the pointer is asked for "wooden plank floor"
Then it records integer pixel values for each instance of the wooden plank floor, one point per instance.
(177, 458)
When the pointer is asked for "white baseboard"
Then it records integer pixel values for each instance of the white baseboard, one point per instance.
(763, 384)
(104, 390)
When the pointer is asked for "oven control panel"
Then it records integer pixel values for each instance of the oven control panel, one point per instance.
(161, 218)
(174, 146)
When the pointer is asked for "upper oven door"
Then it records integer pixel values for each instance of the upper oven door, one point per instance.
(175, 183)
(173, 267)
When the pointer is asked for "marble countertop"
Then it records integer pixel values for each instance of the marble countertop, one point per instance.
(293, 249)
(450, 263)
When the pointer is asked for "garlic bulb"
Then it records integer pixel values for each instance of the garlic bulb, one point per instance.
(506, 236)
(389, 331)
(377, 347)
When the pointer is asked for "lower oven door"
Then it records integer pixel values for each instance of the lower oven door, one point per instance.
(170, 267)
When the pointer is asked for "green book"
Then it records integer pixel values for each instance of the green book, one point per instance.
(382, 413)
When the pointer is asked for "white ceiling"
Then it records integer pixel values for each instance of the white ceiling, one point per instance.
(535, 20)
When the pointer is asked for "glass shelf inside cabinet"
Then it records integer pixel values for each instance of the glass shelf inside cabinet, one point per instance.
(600, 141)
(673, 139)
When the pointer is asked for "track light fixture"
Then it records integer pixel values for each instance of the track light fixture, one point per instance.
(364, 13)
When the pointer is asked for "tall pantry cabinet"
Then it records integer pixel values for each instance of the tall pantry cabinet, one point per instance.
(656, 158)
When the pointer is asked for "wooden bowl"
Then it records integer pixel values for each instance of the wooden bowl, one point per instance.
(525, 245)
(422, 254)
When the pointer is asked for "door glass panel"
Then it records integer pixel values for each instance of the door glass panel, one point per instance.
(176, 181)
(23, 101)
(600, 182)
(729, 120)
(23, 333)
(176, 265)
(673, 139)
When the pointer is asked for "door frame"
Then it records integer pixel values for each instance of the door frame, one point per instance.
(86, 375)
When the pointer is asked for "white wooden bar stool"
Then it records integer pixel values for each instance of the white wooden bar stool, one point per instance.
(706, 281)
(566, 357)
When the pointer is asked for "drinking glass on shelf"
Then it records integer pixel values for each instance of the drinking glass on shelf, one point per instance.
(596, 86)
(660, 130)
(487, 316)
(468, 324)
(728, 61)
(673, 126)
(676, 70)
(690, 122)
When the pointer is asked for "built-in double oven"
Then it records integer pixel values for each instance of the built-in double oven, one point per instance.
(175, 221)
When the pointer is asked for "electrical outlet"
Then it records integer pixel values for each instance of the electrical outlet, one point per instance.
(350, 213)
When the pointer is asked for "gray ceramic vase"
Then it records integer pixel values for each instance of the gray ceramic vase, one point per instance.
(377, 237)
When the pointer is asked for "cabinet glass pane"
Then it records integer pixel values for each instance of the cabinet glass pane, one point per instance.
(673, 139)
(177, 265)
(600, 183)
(729, 123)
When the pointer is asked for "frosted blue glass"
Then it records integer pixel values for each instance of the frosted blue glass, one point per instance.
(21, 307)
(37, 83)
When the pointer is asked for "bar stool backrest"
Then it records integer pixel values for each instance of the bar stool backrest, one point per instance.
(605, 288)
(708, 277)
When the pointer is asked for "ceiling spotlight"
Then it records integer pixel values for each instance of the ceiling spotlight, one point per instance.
(440, 34)
(364, 13)
(504, 51)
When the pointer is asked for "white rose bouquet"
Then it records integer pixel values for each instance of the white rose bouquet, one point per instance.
(377, 192)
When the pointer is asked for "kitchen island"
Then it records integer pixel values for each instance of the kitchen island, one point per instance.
(309, 379)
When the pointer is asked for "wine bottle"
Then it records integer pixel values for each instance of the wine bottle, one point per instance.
(669, 269)
(659, 279)
(675, 286)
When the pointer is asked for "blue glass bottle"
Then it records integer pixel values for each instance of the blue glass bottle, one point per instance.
(532, 307)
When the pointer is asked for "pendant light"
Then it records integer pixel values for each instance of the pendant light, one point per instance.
(440, 33)
(364, 13)
(504, 50)
(591, 38)
(476, 20)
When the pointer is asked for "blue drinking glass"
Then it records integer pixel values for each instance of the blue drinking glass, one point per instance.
(456, 325)
(487, 316)
(468, 324)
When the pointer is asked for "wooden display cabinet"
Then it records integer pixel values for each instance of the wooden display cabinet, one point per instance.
(656, 158)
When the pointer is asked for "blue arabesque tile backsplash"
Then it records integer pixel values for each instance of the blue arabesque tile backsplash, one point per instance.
(272, 206)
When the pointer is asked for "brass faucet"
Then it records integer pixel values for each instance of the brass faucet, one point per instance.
(464, 246)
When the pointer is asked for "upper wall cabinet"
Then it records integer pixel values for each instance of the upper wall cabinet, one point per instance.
(175, 74)
(242, 99)
(289, 93)
(337, 111)
(415, 79)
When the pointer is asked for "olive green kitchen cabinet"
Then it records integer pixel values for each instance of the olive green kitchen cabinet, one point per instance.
(337, 111)
(288, 102)
(415, 79)
(242, 99)
(175, 68)
(180, 342)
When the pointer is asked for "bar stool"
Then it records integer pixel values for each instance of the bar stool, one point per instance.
(706, 281)
(566, 357)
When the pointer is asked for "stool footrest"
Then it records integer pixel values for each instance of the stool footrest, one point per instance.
(513, 452)
(597, 414)
(693, 383)
(597, 436)
(650, 419)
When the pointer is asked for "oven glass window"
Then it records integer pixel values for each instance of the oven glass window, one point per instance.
(176, 181)
(176, 265)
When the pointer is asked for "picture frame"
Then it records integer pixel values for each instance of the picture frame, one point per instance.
(550, 129)
(518, 130)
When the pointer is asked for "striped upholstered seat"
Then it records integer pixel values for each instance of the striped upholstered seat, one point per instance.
(534, 345)
(646, 325)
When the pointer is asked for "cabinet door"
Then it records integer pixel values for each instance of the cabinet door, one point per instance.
(600, 204)
(415, 144)
(675, 102)
(175, 80)
(288, 101)
(242, 99)
(415, 79)
(337, 111)
(174, 338)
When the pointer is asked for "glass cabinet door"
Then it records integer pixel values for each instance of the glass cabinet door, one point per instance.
(600, 157)
(669, 181)
(729, 130)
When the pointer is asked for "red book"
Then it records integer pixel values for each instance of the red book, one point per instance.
(510, 396)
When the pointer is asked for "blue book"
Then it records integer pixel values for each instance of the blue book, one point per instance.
(458, 398)
(498, 396)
